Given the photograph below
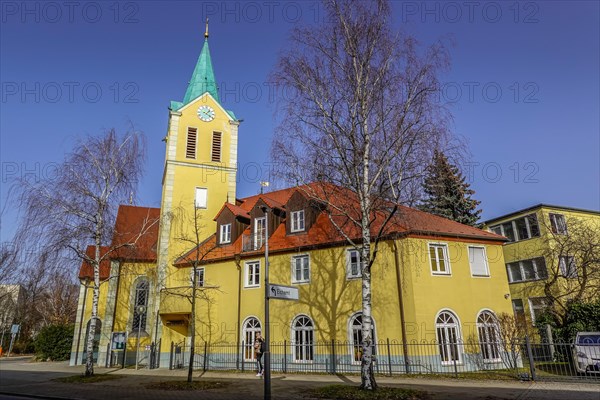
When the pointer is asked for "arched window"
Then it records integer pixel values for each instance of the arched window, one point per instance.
(489, 335)
(356, 336)
(251, 328)
(448, 337)
(302, 338)
(97, 331)
(140, 306)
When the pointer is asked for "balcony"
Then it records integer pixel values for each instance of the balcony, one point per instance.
(253, 242)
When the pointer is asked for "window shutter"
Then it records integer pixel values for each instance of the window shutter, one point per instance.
(190, 149)
(477, 260)
(216, 147)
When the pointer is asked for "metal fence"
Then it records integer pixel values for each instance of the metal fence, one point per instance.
(520, 359)
(147, 357)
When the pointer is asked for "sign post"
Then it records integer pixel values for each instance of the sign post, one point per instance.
(14, 329)
(274, 291)
(140, 309)
(282, 292)
(267, 367)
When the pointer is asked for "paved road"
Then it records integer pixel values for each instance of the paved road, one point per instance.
(35, 381)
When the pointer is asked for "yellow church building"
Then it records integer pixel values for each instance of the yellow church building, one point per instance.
(437, 285)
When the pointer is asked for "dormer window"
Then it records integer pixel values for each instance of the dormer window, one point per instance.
(297, 221)
(225, 233)
(260, 228)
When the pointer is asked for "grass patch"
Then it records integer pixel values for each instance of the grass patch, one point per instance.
(347, 392)
(87, 379)
(185, 385)
(479, 375)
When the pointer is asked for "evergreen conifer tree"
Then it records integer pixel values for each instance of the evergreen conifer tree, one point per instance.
(447, 194)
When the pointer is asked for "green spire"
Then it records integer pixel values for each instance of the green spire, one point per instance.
(203, 78)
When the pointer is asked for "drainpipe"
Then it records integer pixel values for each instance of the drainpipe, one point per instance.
(401, 304)
(239, 307)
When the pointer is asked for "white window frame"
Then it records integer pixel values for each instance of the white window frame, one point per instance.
(536, 270)
(567, 266)
(201, 273)
(254, 274)
(532, 308)
(513, 223)
(355, 332)
(297, 221)
(225, 233)
(303, 352)
(558, 223)
(446, 328)
(249, 336)
(303, 279)
(349, 274)
(489, 343)
(485, 262)
(259, 240)
(198, 199)
(446, 255)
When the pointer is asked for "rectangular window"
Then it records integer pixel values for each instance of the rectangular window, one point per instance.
(478, 261)
(225, 233)
(558, 224)
(537, 305)
(527, 270)
(190, 148)
(201, 197)
(519, 229)
(260, 228)
(567, 266)
(216, 147)
(534, 230)
(300, 269)
(438, 254)
(518, 309)
(508, 231)
(252, 274)
(297, 221)
(353, 264)
(199, 277)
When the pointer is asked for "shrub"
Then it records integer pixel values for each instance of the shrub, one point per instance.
(579, 317)
(54, 342)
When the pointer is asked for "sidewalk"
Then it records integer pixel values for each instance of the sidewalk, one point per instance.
(20, 377)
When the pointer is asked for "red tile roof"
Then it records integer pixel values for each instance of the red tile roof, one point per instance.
(237, 211)
(87, 270)
(135, 239)
(342, 203)
(136, 233)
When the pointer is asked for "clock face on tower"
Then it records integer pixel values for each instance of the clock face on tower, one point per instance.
(206, 113)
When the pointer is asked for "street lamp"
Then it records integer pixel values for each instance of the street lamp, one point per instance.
(267, 368)
(140, 310)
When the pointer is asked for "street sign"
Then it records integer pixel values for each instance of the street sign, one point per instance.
(14, 329)
(283, 292)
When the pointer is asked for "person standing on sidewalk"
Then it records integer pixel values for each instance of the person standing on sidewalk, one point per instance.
(259, 349)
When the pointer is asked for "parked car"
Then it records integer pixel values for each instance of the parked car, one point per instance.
(586, 352)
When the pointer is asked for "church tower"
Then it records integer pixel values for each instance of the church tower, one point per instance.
(200, 167)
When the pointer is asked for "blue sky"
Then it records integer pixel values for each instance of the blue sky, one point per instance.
(523, 88)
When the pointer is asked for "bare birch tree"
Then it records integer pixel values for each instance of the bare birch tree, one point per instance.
(78, 205)
(362, 112)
